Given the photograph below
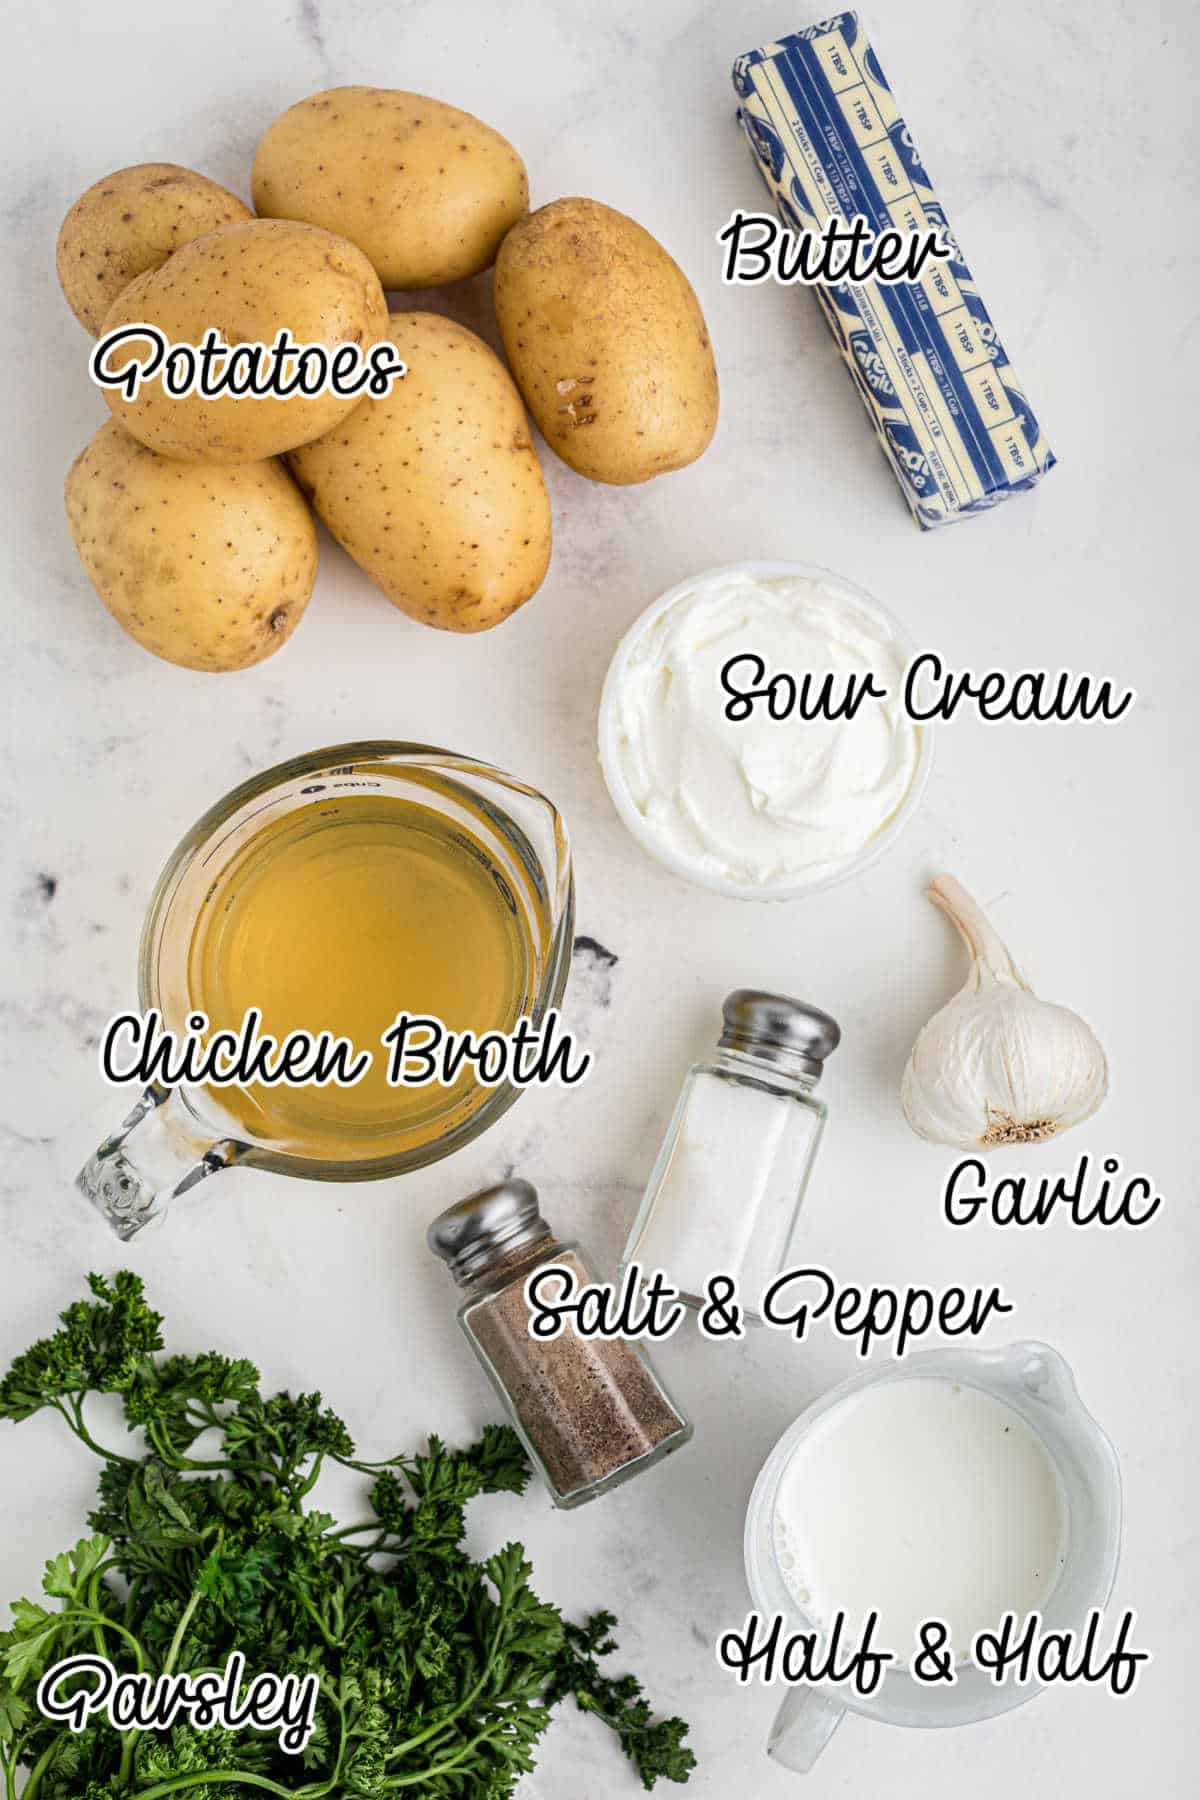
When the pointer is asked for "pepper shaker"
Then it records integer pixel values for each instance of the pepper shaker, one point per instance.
(590, 1411)
(725, 1192)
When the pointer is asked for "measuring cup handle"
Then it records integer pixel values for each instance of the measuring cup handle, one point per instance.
(803, 1726)
(157, 1153)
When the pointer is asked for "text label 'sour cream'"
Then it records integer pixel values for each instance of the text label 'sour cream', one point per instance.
(745, 801)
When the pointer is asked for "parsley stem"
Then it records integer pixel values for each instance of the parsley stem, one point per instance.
(39, 1768)
(318, 1621)
(343, 1734)
(74, 1418)
(432, 1770)
(309, 1482)
(131, 1597)
(468, 1701)
(94, 1602)
(130, 1739)
(178, 1784)
(184, 1621)
(87, 1617)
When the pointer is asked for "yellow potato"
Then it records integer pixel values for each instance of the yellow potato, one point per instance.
(130, 222)
(436, 491)
(607, 342)
(210, 568)
(247, 282)
(425, 191)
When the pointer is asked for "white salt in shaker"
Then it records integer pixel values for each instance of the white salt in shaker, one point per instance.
(732, 1171)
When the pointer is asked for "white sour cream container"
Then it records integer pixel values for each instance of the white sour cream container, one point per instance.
(612, 760)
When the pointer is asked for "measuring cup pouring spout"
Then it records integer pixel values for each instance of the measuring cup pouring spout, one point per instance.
(1043, 1374)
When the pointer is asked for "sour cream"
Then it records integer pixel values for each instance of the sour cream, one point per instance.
(920, 1498)
(761, 803)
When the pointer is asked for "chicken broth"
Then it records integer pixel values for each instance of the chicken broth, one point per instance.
(335, 917)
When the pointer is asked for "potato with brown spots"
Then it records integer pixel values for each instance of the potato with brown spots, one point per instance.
(246, 282)
(131, 222)
(436, 490)
(607, 342)
(210, 568)
(426, 192)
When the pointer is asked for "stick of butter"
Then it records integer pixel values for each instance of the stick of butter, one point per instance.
(947, 409)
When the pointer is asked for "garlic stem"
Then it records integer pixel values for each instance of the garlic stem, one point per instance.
(988, 952)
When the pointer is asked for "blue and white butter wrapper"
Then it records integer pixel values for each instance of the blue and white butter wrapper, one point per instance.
(947, 408)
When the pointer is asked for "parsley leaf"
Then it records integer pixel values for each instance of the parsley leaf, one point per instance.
(656, 1748)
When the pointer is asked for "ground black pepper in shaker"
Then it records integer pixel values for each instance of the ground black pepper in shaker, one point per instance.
(590, 1411)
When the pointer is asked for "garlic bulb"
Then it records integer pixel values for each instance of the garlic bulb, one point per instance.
(998, 1065)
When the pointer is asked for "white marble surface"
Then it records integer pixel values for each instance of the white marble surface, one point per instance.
(1055, 129)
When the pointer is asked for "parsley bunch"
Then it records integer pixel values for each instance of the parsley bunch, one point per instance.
(437, 1673)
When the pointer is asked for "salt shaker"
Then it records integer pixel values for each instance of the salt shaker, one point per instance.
(590, 1411)
(731, 1174)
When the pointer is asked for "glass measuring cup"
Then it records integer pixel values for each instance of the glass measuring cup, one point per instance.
(176, 1137)
(1037, 1383)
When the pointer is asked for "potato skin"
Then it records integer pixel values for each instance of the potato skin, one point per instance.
(247, 282)
(426, 192)
(210, 568)
(436, 491)
(607, 342)
(132, 221)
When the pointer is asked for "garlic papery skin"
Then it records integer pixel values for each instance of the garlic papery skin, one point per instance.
(998, 1065)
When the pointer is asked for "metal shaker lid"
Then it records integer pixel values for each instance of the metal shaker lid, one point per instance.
(476, 1232)
(777, 1029)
